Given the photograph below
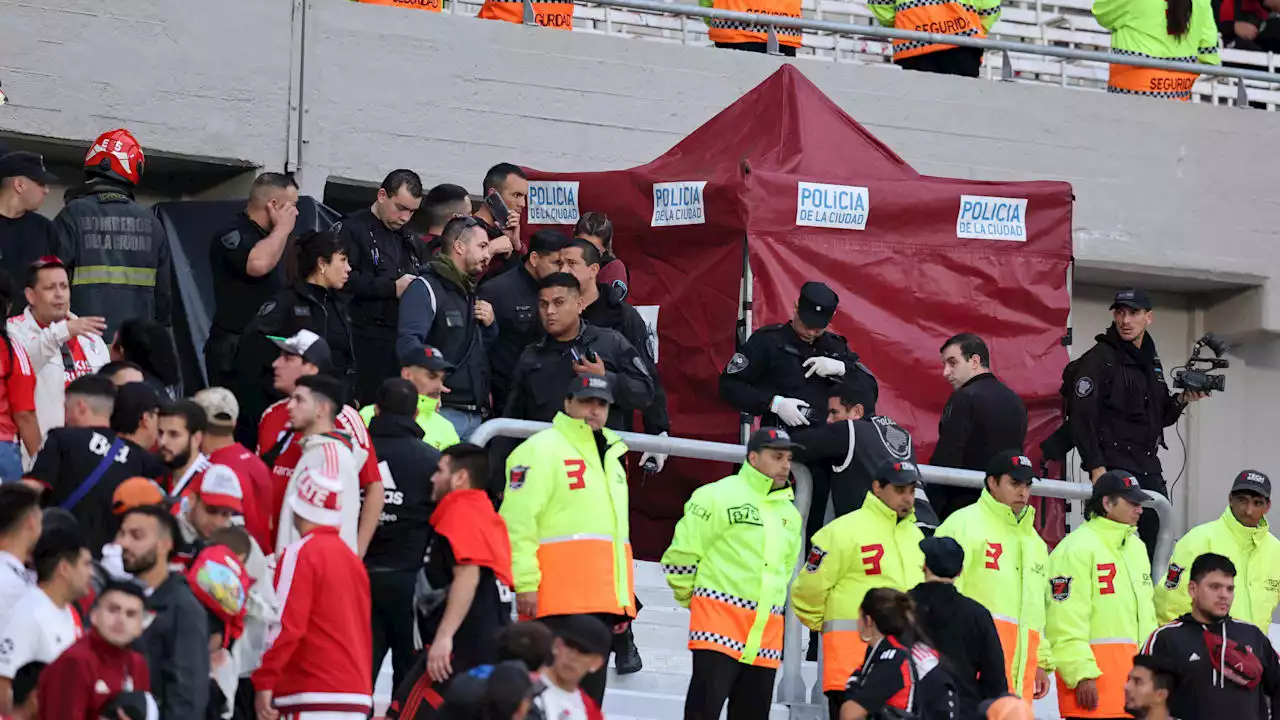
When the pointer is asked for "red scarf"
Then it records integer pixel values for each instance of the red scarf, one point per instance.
(476, 531)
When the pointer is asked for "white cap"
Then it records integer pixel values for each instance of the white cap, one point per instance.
(317, 498)
(220, 487)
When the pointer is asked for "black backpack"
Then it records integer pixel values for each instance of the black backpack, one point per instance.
(1057, 445)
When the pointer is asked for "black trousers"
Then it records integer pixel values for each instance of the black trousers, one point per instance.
(391, 594)
(1149, 523)
(946, 499)
(220, 357)
(758, 47)
(242, 707)
(818, 505)
(957, 61)
(719, 678)
(376, 361)
(835, 698)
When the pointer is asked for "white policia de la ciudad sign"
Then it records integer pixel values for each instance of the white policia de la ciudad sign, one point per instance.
(843, 207)
(679, 203)
(983, 217)
(553, 202)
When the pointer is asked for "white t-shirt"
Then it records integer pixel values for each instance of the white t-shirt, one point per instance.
(560, 704)
(38, 631)
(15, 581)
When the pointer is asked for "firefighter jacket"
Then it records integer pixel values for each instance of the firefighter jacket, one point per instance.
(971, 18)
(1100, 612)
(566, 511)
(866, 549)
(1006, 569)
(1138, 28)
(1254, 551)
(734, 32)
(730, 561)
(117, 254)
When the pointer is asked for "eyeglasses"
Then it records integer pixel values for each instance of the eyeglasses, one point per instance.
(467, 221)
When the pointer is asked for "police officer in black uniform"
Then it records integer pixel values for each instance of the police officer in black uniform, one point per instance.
(514, 297)
(785, 373)
(384, 258)
(115, 249)
(244, 260)
(572, 347)
(1120, 403)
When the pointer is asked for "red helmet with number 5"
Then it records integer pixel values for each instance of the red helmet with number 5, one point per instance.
(117, 155)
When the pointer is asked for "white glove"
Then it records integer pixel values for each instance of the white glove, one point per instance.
(824, 367)
(659, 459)
(790, 410)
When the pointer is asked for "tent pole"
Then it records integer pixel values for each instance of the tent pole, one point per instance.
(744, 325)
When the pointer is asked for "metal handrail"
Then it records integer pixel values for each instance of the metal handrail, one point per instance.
(791, 689)
(827, 26)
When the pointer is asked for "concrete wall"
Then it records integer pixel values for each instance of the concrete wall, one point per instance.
(1165, 194)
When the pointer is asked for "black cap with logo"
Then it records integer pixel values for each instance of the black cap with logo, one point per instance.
(586, 385)
(900, 473)
(1252, 481)
(771, 438)
(817, 304)
(1012, 463)
(424, 356)
(1135, 298)
(1119, 482)
(20, 163)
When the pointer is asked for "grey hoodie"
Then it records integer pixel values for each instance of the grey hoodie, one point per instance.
(175, 643)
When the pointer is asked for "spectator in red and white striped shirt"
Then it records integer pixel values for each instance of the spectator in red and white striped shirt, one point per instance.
(17, 397)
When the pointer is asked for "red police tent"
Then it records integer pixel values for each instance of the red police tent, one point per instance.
(815, 196)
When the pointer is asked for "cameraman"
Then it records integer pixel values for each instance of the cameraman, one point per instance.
(1119, 403)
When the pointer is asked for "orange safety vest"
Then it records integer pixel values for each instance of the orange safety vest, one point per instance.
(556, 15)
(733, 31)
(944, 17)
(1149, 82)
(428, 5)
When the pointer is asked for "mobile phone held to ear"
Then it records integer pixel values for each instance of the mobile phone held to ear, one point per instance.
(497, 208)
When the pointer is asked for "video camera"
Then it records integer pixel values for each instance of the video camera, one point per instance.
(1195, 375)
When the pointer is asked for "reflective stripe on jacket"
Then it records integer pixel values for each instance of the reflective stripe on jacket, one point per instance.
(868, 548)
(730, 562)
(566, 512)
(944, 17)
(734, 31)
(1254, 551)
(557, 15)
(1100, 611)
(1138, 29)
(1006, 569)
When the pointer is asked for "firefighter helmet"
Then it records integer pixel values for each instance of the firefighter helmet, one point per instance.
(117, 155)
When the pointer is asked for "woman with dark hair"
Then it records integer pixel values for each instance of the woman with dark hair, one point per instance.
(901, 676)
(150, 346)
(1177, 30)
(597, 229)
(318, 269)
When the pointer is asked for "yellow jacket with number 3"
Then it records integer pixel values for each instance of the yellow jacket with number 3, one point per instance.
(730, 562)
(566, 512)
(1100, 612)
(1254, 551)
(1006, 567)
(865, 549)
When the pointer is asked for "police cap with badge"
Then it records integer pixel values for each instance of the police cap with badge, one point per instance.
(817, 305)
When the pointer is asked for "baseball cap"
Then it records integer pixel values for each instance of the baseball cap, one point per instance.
(773, 438)
(510, 684)
(1119, 482)
(136, 492)
(318, 498)
(1012, 463)
(1135, 298)
(20, 163)
(1006, 707)
(220, 405)
(1252, 481)
(133, 401)
(943, 556)
(585, 633)
(308, 346)
(817, 304)
(135, 704)
(220, 487)
(425, 356)
(899, 473)
(586, 385)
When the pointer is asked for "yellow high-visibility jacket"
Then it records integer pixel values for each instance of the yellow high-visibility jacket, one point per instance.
(1254, 551)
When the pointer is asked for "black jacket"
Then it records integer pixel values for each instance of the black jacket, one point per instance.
(117, 253)
(962, 630)
(771, 362)
(982, 417)
(176, 646)
(1120, 405)
(400, 542)
(545, 369)
(435, 310)
(1210, 686)
(300, 307)
(611, 311)
(236, 294)
(854, 450)
(378, 257)
(514, 297)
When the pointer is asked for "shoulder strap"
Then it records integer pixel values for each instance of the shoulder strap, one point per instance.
(94, 476)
